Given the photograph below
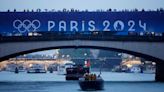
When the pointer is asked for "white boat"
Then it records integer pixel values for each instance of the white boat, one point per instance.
(135, 69)
(36, 68)
(11, 67)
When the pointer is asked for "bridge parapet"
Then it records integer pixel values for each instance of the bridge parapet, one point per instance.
(81, 37)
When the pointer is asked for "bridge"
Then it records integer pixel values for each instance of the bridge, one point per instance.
(128, 32)
(150, 49)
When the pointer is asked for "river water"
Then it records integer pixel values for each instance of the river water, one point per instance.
(47, 82)
(74, 87)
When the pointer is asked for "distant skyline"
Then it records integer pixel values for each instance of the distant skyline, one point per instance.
(20, 5)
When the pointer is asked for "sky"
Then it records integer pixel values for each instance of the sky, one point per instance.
(20, 5)
(46, 52)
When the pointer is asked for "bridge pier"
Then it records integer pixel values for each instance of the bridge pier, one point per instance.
(159, 77)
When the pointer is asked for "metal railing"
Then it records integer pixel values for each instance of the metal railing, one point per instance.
(82, 36)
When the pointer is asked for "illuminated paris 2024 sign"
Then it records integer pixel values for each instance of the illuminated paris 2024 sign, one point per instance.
(25, 22)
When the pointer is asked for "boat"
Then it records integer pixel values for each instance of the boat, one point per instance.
(76, 72)
(15, 67)
(91, 82)
(36, 68)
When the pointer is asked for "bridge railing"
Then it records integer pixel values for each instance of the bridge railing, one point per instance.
(82, 36)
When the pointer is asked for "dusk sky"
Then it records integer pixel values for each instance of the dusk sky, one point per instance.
(80, 4)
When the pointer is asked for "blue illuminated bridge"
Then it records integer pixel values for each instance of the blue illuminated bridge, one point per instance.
(137, 33)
